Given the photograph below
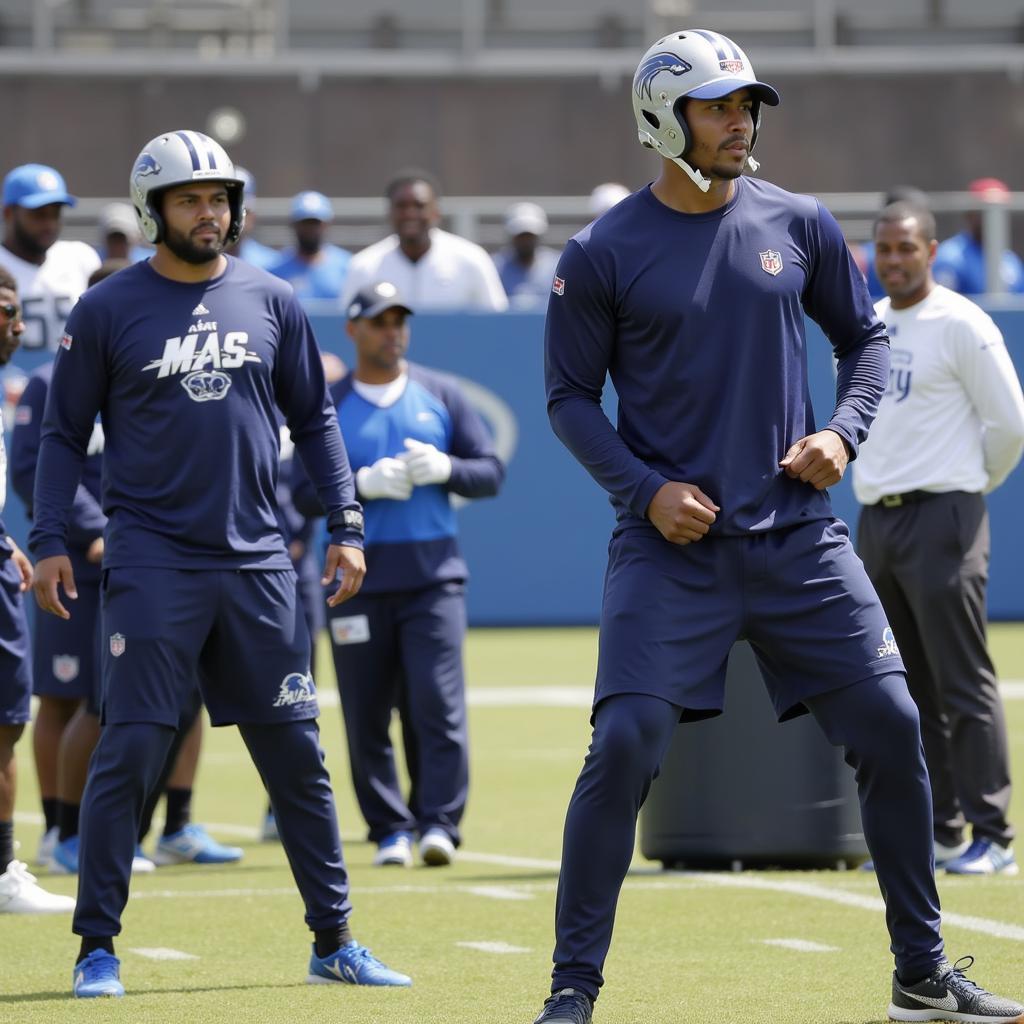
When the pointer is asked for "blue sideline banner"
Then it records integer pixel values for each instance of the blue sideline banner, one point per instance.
(537, 552)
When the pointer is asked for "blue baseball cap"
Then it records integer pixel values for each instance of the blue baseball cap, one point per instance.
(374, 299)
(312, 206)
(35, 185)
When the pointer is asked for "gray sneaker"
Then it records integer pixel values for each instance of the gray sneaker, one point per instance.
(946, 994)
(566, 1006)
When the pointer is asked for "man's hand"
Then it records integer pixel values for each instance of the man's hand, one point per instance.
(683, 513)
(94, 553)
(386, 478)
(819, 459)
(20, 559)
(49, 573)
(349, 563)
(427, 464)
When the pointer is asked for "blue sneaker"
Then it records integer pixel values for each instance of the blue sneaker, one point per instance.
(395, 850)
(193, 845)
(65, 859)
(352, 965)
(97, 975)
(984, 857)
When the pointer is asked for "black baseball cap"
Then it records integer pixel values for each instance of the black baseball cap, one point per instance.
(374, 299)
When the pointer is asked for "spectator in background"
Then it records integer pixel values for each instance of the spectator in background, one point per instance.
(432, 268)
(605, 196)
(315, 267)
(247, 248)
(526, 267)
(120, 238)
(414, 442)
(949, 429)
(864, 252)
(960, 260)
(50, 274)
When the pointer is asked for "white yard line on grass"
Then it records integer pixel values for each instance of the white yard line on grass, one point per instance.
(800, 945)
(494, 947)
(162, 953)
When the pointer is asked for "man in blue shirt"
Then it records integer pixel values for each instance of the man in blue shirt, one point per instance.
(960, 260)
(187, 358)
(414, 442)
(315, 267)
(690, 294)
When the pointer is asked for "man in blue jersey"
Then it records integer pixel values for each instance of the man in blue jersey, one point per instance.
(187, 357)
(315, 267)
(690, 294)
(414, 441)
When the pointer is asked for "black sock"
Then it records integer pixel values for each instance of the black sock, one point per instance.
(6, 844)
(67, 820)
(89, 944)
(179, 810)
(50, 811)
(330, 940)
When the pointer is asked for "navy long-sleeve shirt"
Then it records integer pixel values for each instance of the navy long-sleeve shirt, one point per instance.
(698, 321)
(187, 379)
(412, 544)
(86, 520)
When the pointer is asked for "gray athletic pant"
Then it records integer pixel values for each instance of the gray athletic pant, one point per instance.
(928, 560)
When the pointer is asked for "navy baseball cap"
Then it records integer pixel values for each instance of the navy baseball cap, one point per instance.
(312, 206)
(35, 185)
(372, 300)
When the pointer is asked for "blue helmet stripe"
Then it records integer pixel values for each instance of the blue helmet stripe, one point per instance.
(207, 147)
(724, 47)
(196, 165)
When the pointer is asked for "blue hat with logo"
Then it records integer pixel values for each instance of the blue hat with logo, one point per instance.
(35, 185)
(374, 299)
(312, 206)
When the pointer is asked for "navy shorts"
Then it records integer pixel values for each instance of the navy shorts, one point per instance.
(65, 652)
(800, 596)
(242, 633)
(15, 664)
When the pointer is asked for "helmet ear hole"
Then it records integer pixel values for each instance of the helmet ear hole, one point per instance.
(652, 120)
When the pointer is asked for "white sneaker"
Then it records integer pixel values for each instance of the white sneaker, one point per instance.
(436, 848)
(395, 850)
(944, 854)
(19, 894)
(141, 864)
(47, 844)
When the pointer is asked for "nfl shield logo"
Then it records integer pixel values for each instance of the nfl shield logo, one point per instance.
(65, 667)
(558, 286)
(117, 644)
(771, 262)
(735, 66)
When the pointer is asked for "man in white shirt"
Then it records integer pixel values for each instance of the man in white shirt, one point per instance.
(51, 274)
(950, 428)
(433, 269)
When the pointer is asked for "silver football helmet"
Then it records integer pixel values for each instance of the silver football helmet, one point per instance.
(173, 159)
(692, 64)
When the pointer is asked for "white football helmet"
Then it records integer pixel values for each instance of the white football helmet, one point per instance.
(692, 64)
(173, 159)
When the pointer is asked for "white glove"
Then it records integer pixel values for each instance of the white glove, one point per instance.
(386, 478)
(427, 464)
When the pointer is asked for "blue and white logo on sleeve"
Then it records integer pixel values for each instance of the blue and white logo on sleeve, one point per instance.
(296, 688)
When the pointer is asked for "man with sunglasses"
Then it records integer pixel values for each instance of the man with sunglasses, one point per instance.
(19, 893)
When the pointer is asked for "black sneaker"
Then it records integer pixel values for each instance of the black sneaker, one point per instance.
(946, 994)
(567, 1007)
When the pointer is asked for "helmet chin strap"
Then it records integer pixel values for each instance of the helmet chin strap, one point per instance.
(692, 173)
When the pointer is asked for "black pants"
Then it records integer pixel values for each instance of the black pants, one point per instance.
(929, 563)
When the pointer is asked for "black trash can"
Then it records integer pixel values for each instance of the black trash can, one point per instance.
(740, 790)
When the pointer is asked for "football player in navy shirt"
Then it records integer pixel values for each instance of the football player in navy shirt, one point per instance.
(690, 295)
(414, 441)
(187, 357)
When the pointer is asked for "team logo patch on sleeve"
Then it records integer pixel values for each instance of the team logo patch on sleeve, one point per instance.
(558, 286)
(65, 341)
(771, 262)
(117, 644)
(888, 648)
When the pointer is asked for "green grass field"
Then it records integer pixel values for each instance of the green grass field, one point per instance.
(477, 937)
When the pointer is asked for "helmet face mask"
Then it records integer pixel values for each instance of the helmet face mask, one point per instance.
(176, 158)
(693, 64)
